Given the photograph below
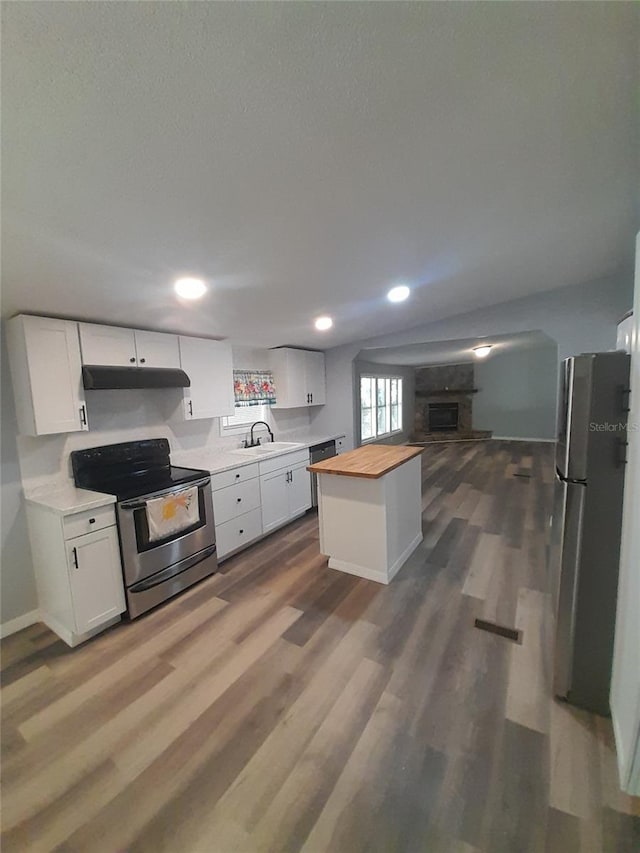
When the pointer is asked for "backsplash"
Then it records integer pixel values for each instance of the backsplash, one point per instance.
(116, 416)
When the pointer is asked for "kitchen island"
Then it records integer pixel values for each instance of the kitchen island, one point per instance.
(369, 508)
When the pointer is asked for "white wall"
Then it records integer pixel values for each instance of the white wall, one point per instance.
(365, 368)
(517, 394)
(114, 416)
(625, 688)
(579, 318)
(17, 583)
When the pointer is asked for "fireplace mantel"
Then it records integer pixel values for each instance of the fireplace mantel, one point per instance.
(442, 392)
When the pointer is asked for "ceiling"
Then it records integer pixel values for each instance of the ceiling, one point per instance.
(454, 352)
(304, 157)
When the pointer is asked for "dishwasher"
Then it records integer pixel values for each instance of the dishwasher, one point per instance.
(316, 454)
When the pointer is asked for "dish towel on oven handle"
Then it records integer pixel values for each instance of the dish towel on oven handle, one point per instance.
(172, 513)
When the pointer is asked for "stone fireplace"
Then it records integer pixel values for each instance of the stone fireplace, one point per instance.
(444, 403)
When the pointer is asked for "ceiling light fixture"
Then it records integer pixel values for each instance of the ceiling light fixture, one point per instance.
(190, 288)
(399, 293)
(482, 352)
(323, 323)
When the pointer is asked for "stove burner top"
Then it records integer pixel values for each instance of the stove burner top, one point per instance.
(132, 469)
(136, 487)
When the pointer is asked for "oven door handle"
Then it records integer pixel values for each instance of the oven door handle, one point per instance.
(197, 483)
(133, 505)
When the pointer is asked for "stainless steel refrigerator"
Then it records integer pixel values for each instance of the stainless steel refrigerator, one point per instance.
(586, 523)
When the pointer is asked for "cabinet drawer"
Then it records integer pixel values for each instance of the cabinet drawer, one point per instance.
(86, 522)
(235, 475)
(235, 500)
(287, 460)
(238, 532)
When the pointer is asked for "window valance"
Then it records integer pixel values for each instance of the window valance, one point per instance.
(254, 387)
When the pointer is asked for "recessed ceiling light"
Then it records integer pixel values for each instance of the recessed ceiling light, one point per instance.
(323, 323)
(482, 352)
(399, 293)
(190, 288)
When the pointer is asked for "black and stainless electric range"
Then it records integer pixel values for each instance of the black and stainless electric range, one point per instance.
(155, 567)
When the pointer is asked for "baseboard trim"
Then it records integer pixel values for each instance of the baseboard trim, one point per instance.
(20, 622)
(517, 438)
(402, 559)
(359, 571)
(371, 574)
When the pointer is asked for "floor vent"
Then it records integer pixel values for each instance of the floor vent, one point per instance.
(501, 630)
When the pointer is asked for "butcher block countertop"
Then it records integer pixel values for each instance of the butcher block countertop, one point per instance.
(371, 461)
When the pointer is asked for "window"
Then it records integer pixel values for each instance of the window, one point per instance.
(242, 419)
(380, 406)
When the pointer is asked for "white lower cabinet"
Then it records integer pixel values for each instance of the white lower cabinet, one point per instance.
(235, 500)
(79, 577)
(252, 500)
(236, 534)
(236, 509)
(286, 491)
(93, 561)
(274, 490)
(299, 489)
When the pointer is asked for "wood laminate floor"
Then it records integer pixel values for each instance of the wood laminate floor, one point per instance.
(283, 706)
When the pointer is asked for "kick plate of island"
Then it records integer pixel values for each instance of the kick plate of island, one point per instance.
(370, 509)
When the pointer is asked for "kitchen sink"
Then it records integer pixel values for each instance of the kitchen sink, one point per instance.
(269, 447)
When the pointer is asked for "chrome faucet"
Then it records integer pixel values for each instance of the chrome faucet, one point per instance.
(253, 442)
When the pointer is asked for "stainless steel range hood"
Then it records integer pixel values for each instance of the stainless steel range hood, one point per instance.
(99, 377)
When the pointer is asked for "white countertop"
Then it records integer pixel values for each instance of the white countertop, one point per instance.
(65, 500)
(212, 459)
(310, 440)
(217, 459)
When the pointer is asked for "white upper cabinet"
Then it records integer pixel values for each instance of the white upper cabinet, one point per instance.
(299, 377)
(115, 347)
(315, 378)
(157, 349)
(289, 367)
(44, 356)
(209, 366)
(107, 345)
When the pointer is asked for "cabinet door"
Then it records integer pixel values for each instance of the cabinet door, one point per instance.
(315, 378)
(289, 376)
(54, 373)
(96, 578)
(274, 494)
(209, 366)
(157, 349)
(299, 490)
(109, 345)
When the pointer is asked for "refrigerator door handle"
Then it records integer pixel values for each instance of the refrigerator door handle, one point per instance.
(621, 452)
(625, 404)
